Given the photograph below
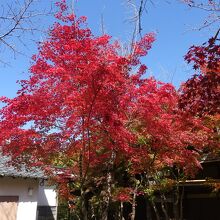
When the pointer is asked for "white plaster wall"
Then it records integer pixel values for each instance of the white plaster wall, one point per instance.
(47, 195)
(27, 207)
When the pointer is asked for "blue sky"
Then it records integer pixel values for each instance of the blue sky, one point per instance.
(172, 21)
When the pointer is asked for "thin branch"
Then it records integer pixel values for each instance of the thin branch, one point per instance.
(102, 24)
(213, 7)
(17, 20)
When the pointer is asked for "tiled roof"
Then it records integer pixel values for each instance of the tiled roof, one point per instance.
(11, 171)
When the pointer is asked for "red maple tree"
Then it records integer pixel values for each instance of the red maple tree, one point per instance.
(87, 108)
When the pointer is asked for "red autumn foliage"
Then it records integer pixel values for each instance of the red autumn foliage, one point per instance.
(123, 194)
(207, 55)
(84, 107)
(201, 93)
(75, 100)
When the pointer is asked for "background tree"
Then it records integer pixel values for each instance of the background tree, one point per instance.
(19, 20)
(211, 6)
(201, 93)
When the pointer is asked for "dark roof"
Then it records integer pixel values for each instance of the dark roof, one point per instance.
(211, 158)
(8, 170)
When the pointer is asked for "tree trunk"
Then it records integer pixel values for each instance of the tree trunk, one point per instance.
(84, 212)
(134, 203)
(153, 203)
(108, 197)
(176, 203)
(121, 211)
(164, 208)
(109, 187)
(155, 210)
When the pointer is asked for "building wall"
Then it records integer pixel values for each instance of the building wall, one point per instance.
(47, 195)
(47, 202)
(26, 190)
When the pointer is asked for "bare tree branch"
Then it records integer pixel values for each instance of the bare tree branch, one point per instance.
(210, 6)
(18, 19)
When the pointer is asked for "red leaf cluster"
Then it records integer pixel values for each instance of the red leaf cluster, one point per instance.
(86, 106)
(201, 93)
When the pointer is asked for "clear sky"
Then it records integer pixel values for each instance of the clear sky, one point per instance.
(171, 20)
